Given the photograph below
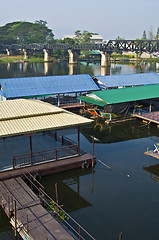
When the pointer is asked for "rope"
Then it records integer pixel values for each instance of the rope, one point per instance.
(127, 175)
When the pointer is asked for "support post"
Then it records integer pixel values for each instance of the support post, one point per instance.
(93, 153)
(15, 219)
(105, 58)
(72, 56)
(58, 103)
(26, 55)
(150, 107)
(47, 55)
(78, 141)
(31, 151)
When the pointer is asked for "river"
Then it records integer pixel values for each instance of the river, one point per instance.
(105, 201)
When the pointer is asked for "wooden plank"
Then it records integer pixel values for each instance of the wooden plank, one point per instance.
(41, 225)
(20, 192)
(152, 154)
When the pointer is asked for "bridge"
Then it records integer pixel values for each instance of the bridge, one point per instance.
(105, 49)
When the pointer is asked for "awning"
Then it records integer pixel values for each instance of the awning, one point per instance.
(122, 95)
(22, 116)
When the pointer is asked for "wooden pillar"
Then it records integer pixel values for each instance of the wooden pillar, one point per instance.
(15, 219)
(58, 103)
(150, 107)
(78, 140)
(31, 151)
(93, 153)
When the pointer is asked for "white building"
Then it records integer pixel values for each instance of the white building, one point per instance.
(95, 38)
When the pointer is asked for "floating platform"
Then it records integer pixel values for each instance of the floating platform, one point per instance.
(148, 117)
(50, 167)
(152, 154)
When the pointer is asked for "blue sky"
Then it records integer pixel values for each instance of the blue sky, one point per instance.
(110, 18)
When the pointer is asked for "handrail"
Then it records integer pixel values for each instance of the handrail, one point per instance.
(43, 156)
(43, 194)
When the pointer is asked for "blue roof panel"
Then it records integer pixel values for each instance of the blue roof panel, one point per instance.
(128, 80)
(36, 86)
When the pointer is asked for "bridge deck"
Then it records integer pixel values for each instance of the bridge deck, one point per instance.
(31, 215)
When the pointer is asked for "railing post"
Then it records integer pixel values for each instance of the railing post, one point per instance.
(120, 235)
(15, 219)
(56, 154)
(13, 163)
(79, 233)
(93, 153)
(78, 141)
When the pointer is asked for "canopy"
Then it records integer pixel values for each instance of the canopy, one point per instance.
(128, 80)
(23, 116)
(47, 85)
(122, 95)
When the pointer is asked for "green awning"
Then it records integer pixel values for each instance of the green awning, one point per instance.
(121, 95)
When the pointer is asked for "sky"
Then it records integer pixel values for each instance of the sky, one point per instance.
(110, 18)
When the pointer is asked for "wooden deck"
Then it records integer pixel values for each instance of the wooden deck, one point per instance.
(149, 117)
(49, 167)
(152, 154)
(33, 221)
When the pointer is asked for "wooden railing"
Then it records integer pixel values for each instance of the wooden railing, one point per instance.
(71, 224)
(44, 156)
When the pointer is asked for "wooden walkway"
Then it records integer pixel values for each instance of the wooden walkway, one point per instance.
(33, 221)
(149, 117)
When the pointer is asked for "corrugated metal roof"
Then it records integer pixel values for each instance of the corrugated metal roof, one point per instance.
(120, 95)
(128, 80)
(28, 116)
(37, 86)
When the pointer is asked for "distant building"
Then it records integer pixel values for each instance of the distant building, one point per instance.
(95, 38)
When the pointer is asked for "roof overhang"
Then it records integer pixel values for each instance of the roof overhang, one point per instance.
(18, 117)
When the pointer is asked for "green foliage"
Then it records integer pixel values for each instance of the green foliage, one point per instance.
(144, 36)
(53, 208)
(82, 38)
(25, 33)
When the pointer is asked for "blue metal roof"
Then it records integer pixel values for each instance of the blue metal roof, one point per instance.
(128, 80)
(47, 85)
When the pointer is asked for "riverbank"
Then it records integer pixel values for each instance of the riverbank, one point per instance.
(114, 58)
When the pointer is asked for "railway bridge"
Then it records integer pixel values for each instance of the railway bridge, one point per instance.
(105, 49)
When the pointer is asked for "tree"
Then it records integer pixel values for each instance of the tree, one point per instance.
(82, 38)
(157, 34)
(41, 22)
(144, 37)
(25, 33)
(150, 34)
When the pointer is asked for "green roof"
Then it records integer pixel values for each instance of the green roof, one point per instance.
(120, 95)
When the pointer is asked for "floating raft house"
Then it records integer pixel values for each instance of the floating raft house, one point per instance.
(119, 100)
(31, 87)
(27, 117)
(126, 80)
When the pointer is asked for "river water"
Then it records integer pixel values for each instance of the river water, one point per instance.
(105, 201)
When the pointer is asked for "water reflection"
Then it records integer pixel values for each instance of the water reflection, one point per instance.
(118, 132)
(68, 189)
(26, 69)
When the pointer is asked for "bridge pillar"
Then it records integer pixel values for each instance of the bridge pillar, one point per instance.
(47, 55)
(72, 56)
(9, 52)
(105, 59)
(105, 70)
(26, 54)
